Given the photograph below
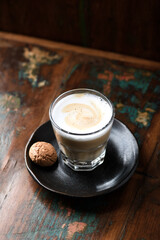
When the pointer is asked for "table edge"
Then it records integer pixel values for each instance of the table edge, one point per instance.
(78, 49)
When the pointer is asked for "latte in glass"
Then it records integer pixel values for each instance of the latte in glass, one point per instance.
(82, 120)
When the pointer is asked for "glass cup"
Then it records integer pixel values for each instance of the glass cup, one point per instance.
(82, 150)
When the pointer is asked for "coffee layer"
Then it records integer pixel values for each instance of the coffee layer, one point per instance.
(82, 113)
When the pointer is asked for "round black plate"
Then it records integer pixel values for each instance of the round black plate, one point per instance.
(120, 163)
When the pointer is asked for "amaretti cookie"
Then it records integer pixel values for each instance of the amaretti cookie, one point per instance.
(43, 154)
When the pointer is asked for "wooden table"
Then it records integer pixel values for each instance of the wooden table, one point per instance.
(32, 73)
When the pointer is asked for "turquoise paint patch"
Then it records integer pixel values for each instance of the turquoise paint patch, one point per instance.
(139, 82)
(130, 110)
(140, 117)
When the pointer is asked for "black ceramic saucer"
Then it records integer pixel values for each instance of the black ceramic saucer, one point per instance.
(119, 165)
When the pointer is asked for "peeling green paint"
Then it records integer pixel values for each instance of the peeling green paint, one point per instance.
(140, 117)
(36, 57)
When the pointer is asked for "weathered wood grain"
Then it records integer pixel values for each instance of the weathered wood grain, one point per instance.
(27, 87)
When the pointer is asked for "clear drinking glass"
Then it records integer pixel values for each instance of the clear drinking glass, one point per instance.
(82, 151)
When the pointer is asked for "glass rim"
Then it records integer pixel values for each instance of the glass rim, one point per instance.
(80, 90)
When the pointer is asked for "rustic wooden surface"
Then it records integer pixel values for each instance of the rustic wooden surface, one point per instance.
(32, 73)
(128, 27)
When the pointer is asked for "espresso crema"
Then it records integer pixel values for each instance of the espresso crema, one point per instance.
(82, 113)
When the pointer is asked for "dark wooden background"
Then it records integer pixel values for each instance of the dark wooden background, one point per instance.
(130, 27)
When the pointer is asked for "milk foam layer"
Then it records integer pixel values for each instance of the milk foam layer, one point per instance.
(82, 113)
